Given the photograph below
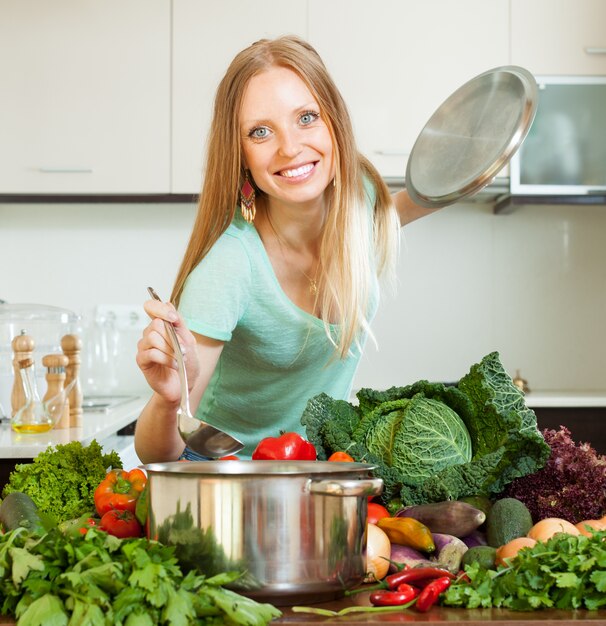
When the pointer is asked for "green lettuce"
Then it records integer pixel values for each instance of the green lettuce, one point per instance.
(62, 480)
(432, 442)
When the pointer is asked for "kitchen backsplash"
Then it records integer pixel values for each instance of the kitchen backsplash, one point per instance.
(531, 284)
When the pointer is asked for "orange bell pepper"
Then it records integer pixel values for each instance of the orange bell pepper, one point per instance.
(119, 490)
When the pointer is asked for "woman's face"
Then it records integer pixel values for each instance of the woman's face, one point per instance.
(286, 144)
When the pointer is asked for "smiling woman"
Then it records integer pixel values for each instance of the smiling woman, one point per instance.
(274, 302)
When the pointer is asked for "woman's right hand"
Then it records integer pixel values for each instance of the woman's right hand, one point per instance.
(155, 356)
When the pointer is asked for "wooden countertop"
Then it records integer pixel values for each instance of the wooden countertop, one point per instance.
(436, 616)
(439, 616)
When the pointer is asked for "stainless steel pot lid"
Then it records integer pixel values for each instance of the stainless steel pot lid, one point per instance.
(471, 136)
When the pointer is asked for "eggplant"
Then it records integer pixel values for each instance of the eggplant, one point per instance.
(451, 517)
(449, 551)
(474, 539)
(403, 555)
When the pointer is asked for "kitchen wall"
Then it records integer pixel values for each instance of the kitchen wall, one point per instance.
(530, 284)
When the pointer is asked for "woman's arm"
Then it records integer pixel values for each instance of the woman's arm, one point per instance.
(407, 209)
(156, 436)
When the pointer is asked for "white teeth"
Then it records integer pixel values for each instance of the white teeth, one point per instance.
(298, 172)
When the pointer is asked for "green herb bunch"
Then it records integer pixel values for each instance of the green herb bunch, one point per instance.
(565, 572)
(62, 481)
(99, 580)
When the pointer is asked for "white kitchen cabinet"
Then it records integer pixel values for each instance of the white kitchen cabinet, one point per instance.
(395, 61)
(559, 36)
(84, 96)
(206, 37)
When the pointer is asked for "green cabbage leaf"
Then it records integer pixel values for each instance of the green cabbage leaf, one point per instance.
(432, 442)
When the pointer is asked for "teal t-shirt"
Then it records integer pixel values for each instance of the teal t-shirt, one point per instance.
(276, 355)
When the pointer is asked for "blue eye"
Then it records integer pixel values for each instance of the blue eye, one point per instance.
(261, 132)
(308, 117)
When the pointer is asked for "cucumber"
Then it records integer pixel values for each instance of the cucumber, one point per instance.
(19, 511)
(483, 555)
(508, 519)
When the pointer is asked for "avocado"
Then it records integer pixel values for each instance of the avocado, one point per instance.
(483, 555)
(508, 519)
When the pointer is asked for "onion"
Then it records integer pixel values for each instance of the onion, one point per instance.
(378, 553)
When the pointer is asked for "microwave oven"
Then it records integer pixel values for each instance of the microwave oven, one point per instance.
(564, 153)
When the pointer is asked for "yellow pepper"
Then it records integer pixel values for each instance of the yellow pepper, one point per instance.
(407, 531)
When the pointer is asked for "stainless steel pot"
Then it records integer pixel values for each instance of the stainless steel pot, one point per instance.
(293, 528)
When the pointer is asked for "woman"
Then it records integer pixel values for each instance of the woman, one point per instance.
(275, 299)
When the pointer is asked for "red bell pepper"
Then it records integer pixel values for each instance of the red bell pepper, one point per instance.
(119, 490)
(286, 447)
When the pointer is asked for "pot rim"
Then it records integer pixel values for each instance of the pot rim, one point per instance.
(258, 468)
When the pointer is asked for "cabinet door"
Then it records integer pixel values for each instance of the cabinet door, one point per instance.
(559, 36)
(395, 61)
(84, 96)
(206, 37)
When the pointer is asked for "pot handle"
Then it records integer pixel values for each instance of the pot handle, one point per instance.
(365, 487)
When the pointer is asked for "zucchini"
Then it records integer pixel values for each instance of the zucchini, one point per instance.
(18, 510)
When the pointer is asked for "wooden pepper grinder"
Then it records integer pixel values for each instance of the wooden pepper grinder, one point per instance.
(56, 365)
(23, 349)
(71, 346)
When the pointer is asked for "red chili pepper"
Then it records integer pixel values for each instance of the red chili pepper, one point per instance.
(119, 490)
(286, 447)
(409, 588)
(430, 594)
(394, 598)
(415, 574)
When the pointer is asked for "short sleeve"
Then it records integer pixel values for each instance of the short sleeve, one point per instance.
(217, 291)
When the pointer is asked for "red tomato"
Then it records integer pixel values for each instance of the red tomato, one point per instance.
(376, 511)
(229, 457)
(121, 524)
(340, 456)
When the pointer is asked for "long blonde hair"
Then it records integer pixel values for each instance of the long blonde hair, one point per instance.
(347, 266)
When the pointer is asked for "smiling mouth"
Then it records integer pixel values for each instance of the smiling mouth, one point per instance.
(298, 171)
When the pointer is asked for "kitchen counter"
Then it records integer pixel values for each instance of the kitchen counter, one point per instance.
(565, 399)
(441, 616)
(95, 425)
(436, 616)
(102, 426)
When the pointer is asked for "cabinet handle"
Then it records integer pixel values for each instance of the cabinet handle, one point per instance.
(65, 170)
(595, 50)
(392, 153)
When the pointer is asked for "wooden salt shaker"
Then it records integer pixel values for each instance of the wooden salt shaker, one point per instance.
(23, 349)
(71, 346)
(56, 365)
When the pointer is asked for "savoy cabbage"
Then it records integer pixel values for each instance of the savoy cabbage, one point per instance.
(432, 442)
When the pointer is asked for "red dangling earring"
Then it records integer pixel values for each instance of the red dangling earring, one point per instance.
(247, 200)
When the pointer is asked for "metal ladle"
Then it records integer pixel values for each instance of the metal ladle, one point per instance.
(201, 437)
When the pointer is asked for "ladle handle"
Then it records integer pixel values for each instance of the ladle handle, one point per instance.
(172, 333)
